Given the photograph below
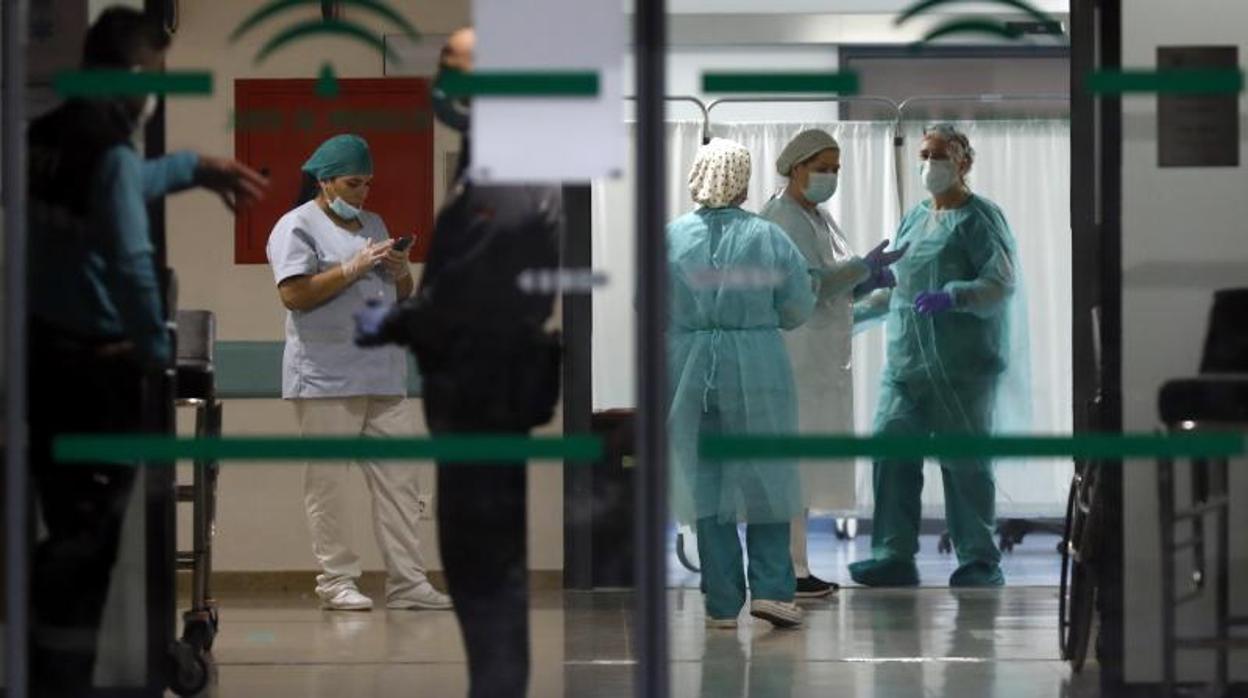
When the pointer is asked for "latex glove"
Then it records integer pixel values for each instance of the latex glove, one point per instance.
(237, 184)
(367, 258)
(933, 302)
(878, 259)
(370, 323)
(884, 278)
(395, 264)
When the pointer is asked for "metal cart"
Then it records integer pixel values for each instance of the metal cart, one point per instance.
(196, 389)
(1198, 528)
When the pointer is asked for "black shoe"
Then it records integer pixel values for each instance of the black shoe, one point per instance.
(813, 587)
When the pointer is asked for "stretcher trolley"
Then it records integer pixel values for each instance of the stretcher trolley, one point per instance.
(1195, 528)
(1198, 501)
(196, 389)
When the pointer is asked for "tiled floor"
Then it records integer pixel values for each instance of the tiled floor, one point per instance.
(888, 644)
(1033, 563)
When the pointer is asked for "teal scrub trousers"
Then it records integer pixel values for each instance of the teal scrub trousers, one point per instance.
(917, 408)
(770, 565)
(719, 547)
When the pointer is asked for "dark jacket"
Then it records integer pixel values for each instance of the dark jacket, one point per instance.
(477, 336)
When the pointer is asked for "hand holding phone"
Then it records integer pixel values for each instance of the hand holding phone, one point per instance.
(396, 261)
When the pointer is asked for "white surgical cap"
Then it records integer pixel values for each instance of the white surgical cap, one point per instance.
(803, 147)
(721, 173)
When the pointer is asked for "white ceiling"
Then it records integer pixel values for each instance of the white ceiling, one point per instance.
(841, 6)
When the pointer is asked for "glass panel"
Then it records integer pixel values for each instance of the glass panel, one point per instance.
(833, 306)
(400, 311)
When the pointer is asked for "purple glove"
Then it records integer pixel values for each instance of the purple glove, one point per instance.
(884, 278)
(370, 321)
(933, 302)
(878, 259)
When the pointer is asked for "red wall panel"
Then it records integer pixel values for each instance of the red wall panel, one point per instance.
(278, 123)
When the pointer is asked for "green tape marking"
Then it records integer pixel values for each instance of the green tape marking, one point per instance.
(78, 448)
(788, 83)
(1093, 447)
(123, 83)
(521, 84)
(1185, 81)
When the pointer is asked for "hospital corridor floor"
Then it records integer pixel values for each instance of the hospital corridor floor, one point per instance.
(927, 642)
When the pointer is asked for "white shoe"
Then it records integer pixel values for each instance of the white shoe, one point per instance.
(424, 598)
(346, 599)
(721, 623)
(782, 614)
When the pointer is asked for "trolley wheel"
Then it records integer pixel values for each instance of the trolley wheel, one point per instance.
(1082, 606)
(1010, 533)
(1063, 593)
(1077, 595)
(199, 629)
(945, 546)
(684, 559)
(188, 670)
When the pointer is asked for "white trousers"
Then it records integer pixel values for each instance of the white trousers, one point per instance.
(394, 487)
(797, 546)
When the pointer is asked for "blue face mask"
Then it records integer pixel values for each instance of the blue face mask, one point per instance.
(344, 210)
(820, 187)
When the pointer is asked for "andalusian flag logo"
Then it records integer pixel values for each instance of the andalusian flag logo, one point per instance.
(328, 23)
(976, 24)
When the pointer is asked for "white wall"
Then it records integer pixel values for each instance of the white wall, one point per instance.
(1183, 237)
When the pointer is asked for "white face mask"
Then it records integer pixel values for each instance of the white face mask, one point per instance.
(149, 110)
(820, 187)
(939, 176)
(344, 210)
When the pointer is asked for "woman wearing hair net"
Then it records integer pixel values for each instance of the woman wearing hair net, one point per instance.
(736, 282)
(820, 349)
(953, 325)
(329, 256)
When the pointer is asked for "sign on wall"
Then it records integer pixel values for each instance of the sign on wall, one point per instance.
(1198, 130)
(550, 138)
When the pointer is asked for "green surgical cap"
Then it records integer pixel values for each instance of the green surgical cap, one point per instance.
(803, 147)
(340, 156)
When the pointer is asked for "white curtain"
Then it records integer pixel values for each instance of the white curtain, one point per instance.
(1022, 165)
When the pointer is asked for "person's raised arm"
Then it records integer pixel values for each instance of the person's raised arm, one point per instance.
(131, 268)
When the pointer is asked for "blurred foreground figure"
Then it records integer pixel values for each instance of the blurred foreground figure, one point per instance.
(97, 328)
(488, 366)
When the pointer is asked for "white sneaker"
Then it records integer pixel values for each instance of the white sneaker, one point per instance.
(782, 614)
(424, 598)
(721, 623)
(346, 599)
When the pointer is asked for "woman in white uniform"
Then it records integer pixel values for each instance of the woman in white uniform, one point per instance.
(329, 257)
(820, 349)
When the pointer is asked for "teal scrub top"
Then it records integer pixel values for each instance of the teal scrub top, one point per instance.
(97, 276)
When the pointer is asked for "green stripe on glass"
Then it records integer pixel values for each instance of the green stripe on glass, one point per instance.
(79, 448)
(123, 83)
(1185, 81)
(520, 84)
(788, 83)
(1095, 447)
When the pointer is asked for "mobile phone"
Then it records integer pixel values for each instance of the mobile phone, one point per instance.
(403, 243)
